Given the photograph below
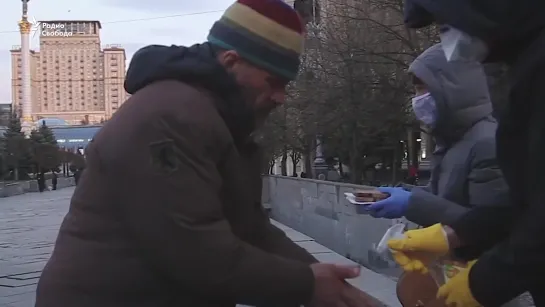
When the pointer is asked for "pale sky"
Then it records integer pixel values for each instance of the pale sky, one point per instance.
(130, 23)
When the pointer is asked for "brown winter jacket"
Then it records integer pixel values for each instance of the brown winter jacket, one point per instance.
(167, 212)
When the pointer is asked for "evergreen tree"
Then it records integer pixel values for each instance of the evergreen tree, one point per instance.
(16, 149)
(46, 155)
(47, 133)
(36, 137)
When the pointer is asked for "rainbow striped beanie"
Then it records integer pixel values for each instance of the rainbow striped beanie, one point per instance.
(267, 33)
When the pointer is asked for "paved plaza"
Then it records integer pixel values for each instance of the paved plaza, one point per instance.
(28, 228)
(29, 224)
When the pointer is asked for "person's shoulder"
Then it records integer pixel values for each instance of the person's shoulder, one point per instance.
(169, 104)
(164, 110)
(481, 136)
(484, 149)
(169, 97)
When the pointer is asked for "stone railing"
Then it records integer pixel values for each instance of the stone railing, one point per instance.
(17, 188)
(319, 210)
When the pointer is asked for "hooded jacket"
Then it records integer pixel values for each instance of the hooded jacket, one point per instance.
(515, 34)
(167, 212)
(464, 170)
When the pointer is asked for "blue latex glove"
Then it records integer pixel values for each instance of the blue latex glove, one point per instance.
(392, 207)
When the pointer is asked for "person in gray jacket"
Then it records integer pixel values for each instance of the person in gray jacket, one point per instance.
(453, 103)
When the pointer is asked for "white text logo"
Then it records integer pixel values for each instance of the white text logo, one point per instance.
(49, 29)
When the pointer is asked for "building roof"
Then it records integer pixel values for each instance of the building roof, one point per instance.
(70, 136)
(51, 122)
(114, 47)
(72, 21)
(74, 136)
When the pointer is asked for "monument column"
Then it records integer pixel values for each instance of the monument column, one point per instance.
(320, 166)
(26, 103)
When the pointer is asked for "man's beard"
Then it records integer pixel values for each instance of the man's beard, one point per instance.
(261, 110)
(261, 116)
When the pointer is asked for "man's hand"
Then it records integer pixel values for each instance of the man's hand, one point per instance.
(456, 292)
(330, 288)
(419, 248)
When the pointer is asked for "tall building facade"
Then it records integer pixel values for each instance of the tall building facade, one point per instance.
(72, 77)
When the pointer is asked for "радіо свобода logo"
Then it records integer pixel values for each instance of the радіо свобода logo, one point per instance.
(49, 28)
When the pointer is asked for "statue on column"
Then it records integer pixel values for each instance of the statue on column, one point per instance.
(25, 8)
(24, 24)
(320, 166)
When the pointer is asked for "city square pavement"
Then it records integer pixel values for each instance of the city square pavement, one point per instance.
(28, 228)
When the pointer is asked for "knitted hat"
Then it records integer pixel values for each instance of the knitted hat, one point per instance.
(267, 33)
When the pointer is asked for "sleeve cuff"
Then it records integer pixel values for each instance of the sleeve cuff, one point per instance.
(493, 284)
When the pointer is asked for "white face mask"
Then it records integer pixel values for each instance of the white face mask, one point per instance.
(460, 46)
(425, 110)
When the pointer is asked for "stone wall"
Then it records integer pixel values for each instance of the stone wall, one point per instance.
(319, 210)
(17, 188)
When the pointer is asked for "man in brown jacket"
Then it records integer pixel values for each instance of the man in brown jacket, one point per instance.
(167, 212)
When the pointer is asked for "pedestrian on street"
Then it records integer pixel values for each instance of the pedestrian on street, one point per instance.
(54, 180)
(509, 240)
(168, 212)
(77, 175)
(40, 179)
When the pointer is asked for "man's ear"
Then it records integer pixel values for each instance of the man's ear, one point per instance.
(229, 58)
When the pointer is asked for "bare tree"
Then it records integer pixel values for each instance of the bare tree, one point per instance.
(353, 88)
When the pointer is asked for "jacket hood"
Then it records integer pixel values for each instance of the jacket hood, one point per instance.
(507, 25)
(196, 65)
(459, 89)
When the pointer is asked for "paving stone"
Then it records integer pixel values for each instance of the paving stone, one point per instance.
(28, 228)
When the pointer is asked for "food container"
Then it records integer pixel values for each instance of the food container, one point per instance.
(415, 289)
(394, 232)
(363, 198)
